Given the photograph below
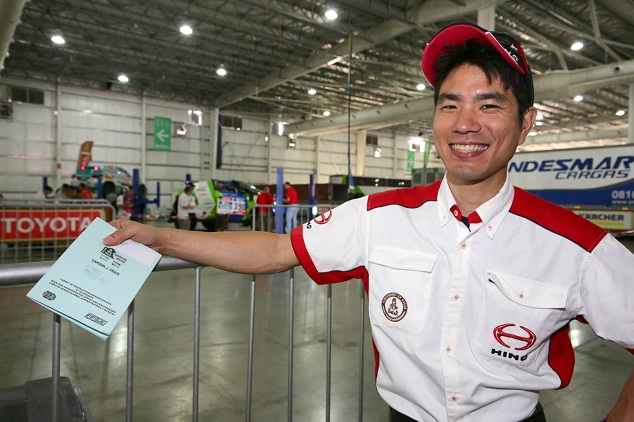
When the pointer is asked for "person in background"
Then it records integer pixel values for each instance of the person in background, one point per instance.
(83, 191)
(125, 204)
(45, 193)
(186, 205)
(264, 214)
(142, 199)
(472, 282)
(290, 198)
(192, 213)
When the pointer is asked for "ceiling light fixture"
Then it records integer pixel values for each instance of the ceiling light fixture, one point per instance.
(331, 14)
(578, 98)
(186, 30)
(312, 91)
(221, 71)
(620, 113)
(326, 113)
(123, 78)
(576, 46)
(58, 39)
(421, 87)
(539, 116)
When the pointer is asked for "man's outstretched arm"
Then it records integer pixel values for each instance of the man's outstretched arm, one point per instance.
(240, 252)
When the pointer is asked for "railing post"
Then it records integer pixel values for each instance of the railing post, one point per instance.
(250, 352)
(328, 350)
(361, 350)
(291, 325)
(57, 336)
(196, 386)
(130, 365)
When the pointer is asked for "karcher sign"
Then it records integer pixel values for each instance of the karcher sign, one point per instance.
(609, 220)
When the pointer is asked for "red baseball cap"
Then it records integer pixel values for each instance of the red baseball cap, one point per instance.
(506, 45)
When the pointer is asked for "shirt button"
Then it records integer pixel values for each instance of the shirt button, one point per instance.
(463, 246)
(489, 227)
(453, 398)
(456, 297)
(448, 349)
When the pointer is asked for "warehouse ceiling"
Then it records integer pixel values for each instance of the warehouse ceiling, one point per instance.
(366, 61)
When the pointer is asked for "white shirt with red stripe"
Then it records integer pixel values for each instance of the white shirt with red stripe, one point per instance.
(470, 323)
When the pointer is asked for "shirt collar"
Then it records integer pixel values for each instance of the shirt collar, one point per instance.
(491, 213)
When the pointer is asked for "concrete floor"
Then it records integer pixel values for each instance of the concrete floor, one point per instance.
(164, 355)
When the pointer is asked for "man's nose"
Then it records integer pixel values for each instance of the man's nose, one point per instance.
(466, 120)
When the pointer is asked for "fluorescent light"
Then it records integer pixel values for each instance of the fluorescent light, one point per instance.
(578, 98)
(186, 30)
(576, 46)
(326, 113)
(331, 14)
(539, 116)
(123, 78)
(620, 113)
(221, 71)
(312, 91)
(421, 87)
(58, 39)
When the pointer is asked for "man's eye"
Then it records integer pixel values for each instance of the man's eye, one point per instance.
(490, 106)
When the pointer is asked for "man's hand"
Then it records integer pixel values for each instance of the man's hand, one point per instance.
(147, 235)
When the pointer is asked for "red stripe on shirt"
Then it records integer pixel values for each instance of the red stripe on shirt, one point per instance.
(405, 197)
(561, 355)
(557, 219)
(328, 277)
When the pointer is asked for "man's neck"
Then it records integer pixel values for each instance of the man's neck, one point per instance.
(470, 196)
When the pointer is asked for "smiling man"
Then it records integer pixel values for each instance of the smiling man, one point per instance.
(471, 281)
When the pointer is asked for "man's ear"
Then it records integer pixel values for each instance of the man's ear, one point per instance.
(528, 121)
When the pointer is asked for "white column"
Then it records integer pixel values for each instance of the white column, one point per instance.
(361, 135)
(143, 138)
(58, 136)
(213, 141)
(486, 18)
(630, 116)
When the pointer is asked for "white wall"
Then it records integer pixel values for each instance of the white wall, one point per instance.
(113, 121)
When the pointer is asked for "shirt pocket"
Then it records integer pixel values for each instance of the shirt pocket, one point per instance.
(517, 316)
(400, 288)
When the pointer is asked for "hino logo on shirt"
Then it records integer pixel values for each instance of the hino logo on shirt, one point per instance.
(502, 333)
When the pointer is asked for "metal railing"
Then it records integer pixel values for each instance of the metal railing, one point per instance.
(26, 273)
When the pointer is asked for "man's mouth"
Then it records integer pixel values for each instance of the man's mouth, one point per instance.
(468, 147)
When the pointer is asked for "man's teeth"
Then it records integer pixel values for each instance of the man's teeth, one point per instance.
(468, 148)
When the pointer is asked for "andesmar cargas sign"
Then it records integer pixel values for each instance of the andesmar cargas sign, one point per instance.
(601, 177)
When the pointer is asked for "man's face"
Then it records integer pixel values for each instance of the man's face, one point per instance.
(476, 127)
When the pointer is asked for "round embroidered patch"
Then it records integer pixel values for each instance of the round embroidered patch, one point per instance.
(394, 306)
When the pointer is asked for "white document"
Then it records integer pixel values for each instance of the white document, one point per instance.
(92, 284)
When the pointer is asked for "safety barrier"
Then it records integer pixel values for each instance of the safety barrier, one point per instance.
(25, 273)
(40, 230)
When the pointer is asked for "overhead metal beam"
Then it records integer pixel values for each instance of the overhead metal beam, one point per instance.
(548, 86)
(583, 135)
(426, 13)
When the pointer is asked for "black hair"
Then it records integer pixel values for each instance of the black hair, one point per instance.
(492, 64)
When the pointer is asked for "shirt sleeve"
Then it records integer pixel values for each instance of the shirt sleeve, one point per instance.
(608, 292)
(333, 246)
